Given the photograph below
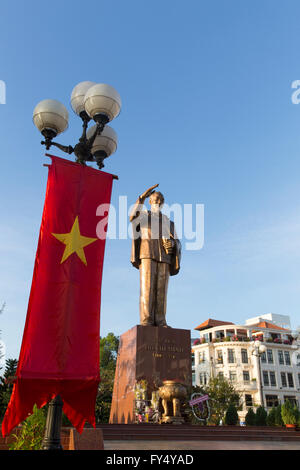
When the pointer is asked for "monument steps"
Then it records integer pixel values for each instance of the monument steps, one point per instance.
(186, 432)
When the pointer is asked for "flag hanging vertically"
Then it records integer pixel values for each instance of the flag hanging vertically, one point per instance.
(60, 347)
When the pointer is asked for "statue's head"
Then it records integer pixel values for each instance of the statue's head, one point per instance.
(156, 200)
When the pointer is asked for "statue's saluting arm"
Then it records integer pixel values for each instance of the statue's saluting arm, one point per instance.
(139, 203)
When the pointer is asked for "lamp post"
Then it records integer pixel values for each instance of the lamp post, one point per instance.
(257, 350)
(90, 101)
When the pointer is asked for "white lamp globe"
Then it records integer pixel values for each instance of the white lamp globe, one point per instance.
(51, 115)
(262, 348)
(102, 99)
(78, 94)
(106, 142)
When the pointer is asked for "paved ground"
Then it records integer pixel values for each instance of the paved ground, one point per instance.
(201, 445)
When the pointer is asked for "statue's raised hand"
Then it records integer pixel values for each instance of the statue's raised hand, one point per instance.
(148, 192)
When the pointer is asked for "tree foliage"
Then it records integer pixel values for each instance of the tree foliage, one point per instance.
(222, 394)
(108, 358)
(261, 416)
(271, 418)
(32, 432)
(250, 418)
(108, 351)
(289, 413)
(6, 384)
(278, 417)
(231, 416)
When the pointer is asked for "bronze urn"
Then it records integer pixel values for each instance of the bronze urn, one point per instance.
(172, 394)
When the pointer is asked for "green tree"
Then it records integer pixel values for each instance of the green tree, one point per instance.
(278, 417)
(250, 418)
(6, 384)
(108, 351)
(289, 413)
(261, 416)
(104, 396)
(108, 358)
(271, 418)
(222, 394)
(32, 432)
(231, 416)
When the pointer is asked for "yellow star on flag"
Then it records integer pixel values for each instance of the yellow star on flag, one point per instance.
(75, 242)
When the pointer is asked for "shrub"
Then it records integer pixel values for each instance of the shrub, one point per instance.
(278, 417)
(261, 416)
(32, 432)
(231, 416)
(250, 418)
(271, 418)
(289, 413)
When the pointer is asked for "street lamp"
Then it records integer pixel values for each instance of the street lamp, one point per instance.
(257, 350)
(90, 101)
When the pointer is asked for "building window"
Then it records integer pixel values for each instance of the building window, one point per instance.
(248, 400)
(280, 357)
(201, 357)
(272, 379)
(232, 376)
(299, 379)
(290, 380)
(193, 377)
(283, 379)
(291, 399)
(203, 378)
(263, 357)
(270, 356)
(287, 358)
(272, 400)
(219, 357)
(231, 358)
(221, 375)
(244, 356)
(266, 378)
(193, 359)
(246, 376)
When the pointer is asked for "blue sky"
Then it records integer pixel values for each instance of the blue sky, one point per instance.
(206, 112)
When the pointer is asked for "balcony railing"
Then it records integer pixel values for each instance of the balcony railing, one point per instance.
(242, 340)
(250, 385)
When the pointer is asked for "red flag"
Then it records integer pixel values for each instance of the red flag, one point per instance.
(60, 348)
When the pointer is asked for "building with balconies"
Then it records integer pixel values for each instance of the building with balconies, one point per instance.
(228, 350)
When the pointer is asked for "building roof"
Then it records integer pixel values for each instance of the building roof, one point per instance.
(267, 324)
(210, 323)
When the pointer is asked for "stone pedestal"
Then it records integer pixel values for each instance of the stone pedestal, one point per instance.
(89, 439)
(151, 353)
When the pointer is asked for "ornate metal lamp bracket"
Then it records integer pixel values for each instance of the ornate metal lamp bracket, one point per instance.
(82, 149)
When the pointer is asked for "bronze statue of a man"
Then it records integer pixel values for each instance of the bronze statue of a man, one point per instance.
(156, 252)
